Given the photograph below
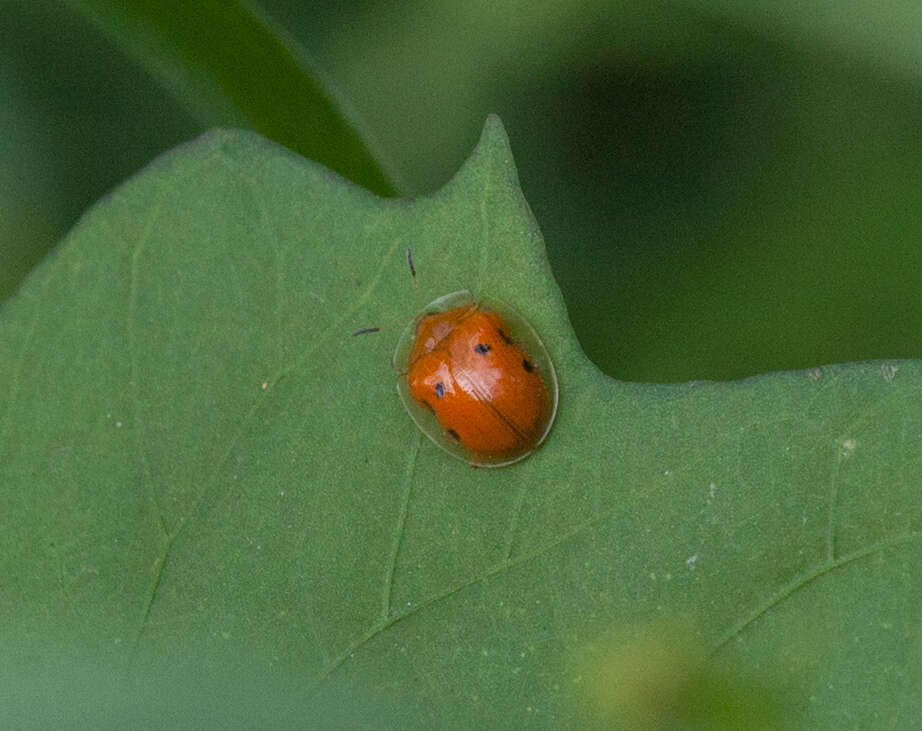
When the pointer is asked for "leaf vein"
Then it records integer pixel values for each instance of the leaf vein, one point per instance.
(131, 320)
(803, 580)
(400, 529)
(498, 568)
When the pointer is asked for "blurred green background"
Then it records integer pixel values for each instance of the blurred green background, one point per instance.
(726, 187)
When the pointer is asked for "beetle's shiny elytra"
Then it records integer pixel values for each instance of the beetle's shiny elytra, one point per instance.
(477, 380)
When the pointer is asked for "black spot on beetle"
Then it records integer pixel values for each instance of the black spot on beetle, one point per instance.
(439, 389)
(453, 434)
(505, 337)
(528, 365)
(482, 348)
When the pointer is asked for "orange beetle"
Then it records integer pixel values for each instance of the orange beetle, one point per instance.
(477, 380)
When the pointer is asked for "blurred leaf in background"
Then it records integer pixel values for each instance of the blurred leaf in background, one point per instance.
(95, 88)
(76, 117)
(725, 187)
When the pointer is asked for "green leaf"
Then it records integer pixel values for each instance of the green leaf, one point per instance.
(213, 509)
(230, 64)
